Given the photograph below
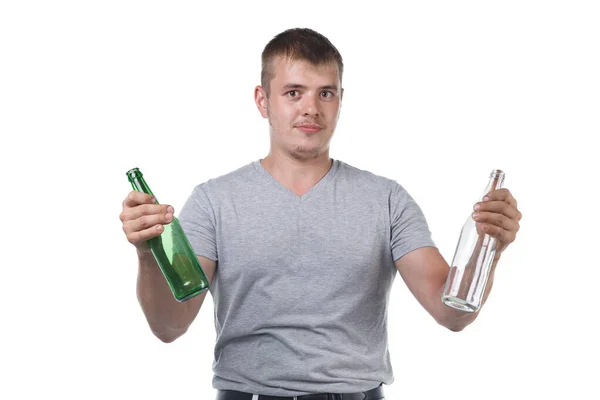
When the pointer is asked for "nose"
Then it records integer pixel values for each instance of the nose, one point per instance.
(310, 106)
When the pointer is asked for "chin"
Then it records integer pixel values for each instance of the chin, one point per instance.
(306, 153)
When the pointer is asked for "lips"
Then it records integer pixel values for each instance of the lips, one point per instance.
(308, 128)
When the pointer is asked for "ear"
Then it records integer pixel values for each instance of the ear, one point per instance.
(341, 98)
(260, 98)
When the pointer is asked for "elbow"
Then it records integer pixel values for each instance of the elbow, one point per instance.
(455, 320)
(455, 328)
(454, 325)
(167, 336)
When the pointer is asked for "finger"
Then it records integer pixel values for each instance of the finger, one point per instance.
(139, 237)
(502, 195)
(135, 198)
(498, 207)
(148, 209)
(501, 235)
(146, 221)
(496, 219)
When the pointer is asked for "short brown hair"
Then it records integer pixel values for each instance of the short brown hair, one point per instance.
(298, 44)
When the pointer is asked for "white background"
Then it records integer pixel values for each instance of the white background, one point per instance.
(437, 94)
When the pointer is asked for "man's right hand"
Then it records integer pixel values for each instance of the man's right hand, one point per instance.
(143, 219)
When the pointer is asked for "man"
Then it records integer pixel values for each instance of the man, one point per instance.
(307, 247)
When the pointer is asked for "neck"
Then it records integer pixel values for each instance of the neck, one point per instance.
(297, 175)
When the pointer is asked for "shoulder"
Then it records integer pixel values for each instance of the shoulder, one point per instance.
(368, 185)
(367, 179)
(231, 182)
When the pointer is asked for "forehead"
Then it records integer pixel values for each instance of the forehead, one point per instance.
(302, 71)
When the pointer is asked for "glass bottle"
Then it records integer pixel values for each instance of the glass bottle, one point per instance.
(173, 252)
(472, 260)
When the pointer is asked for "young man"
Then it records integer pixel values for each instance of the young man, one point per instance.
(307, 247)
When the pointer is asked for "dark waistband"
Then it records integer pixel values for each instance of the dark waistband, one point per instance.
(372, 394)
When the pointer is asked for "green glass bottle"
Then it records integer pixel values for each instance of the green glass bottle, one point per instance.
(173, 252)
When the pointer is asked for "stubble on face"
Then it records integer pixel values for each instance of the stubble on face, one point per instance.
(297, 152)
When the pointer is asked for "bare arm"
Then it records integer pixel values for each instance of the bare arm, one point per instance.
(168, 319)
(424, 271)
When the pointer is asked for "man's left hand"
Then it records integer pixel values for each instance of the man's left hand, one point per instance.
(499, 217)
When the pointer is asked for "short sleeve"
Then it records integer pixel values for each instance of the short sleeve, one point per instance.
(409, 229)
(197, 219)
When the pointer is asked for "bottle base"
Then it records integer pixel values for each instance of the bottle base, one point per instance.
(458, 304)
(190, 295)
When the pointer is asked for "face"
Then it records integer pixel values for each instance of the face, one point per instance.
(303, 107)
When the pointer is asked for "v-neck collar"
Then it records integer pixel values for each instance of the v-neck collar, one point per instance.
(328, 176)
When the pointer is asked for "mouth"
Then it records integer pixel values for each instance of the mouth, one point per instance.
(309, 128)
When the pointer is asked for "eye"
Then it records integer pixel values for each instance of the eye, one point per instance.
(326, 93)
(292, 93)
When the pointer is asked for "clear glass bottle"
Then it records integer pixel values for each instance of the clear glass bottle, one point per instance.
(472, 261)
(173, 252)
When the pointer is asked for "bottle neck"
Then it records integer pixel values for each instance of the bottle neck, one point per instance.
(138, 182)
(496, 181)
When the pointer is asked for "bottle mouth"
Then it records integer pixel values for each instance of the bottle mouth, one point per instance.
(497, 179)
(133, 174)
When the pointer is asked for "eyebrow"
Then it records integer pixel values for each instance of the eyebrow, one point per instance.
(290, 86)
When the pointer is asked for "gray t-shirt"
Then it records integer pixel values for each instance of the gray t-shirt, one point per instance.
(302, 284)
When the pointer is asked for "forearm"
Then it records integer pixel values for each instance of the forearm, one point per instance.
(168, 319)
(456, 320)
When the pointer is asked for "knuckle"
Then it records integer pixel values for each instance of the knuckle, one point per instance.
(141, 210)
(136, 238)
(146, 209)
(128, 230)
(130, 237)
(502, 221)
(144, 222)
